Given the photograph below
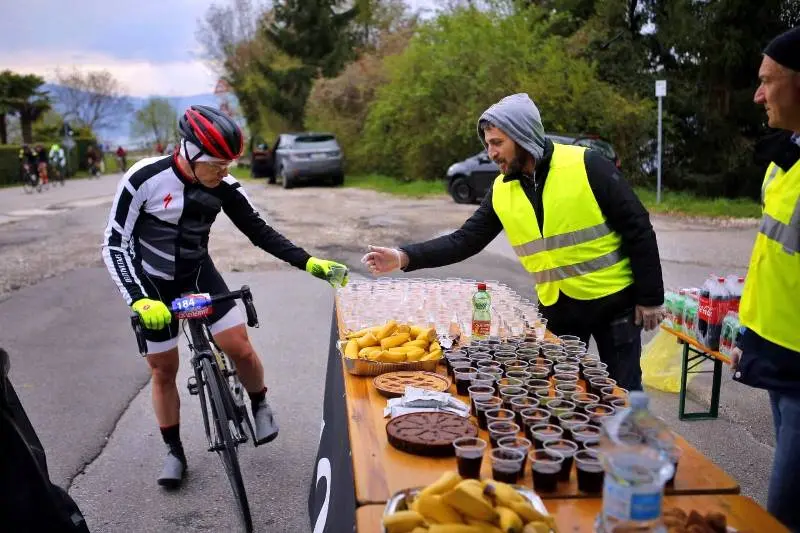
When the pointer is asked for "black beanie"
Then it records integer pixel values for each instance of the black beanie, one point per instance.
(785, 49)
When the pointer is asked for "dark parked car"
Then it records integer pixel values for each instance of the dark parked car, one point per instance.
(468, 180)
(260, 159)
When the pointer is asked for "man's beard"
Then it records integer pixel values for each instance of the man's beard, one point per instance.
(517, 164)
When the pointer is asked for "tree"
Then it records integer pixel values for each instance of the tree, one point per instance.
(156, 121)
(21, 95)
(94, 98)
(462, 62)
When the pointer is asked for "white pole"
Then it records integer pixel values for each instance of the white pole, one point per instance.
(658, 185)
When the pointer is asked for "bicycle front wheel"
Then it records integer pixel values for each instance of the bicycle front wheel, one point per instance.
(226, 447)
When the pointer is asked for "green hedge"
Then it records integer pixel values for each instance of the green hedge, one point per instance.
(9, 164)
(9, 159)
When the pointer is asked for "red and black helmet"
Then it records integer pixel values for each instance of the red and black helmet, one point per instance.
(211, 130)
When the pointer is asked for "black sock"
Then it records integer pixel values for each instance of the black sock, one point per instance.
(172, 438)
(256, 397)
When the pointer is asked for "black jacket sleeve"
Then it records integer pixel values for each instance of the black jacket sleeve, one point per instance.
(627, 216)
(242, 213)
(476, 233)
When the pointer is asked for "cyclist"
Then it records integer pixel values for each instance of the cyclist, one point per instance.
(57, 160)
(27, 161)
(41, 163)
(92, 159)
(156, 247)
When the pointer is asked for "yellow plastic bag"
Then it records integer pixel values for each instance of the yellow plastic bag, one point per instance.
(661, 363)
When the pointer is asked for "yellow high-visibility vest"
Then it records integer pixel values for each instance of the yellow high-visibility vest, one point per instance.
(577, 253)
(770, 303)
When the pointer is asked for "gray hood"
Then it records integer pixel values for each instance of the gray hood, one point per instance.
(519, 118)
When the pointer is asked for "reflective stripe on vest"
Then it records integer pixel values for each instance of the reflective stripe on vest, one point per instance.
(576, 253)
(579, 269)
(770, 177)
(561, 241)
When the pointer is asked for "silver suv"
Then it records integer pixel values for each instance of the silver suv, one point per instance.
(304, 157)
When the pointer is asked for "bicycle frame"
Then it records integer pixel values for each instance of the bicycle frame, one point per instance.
(202, 346)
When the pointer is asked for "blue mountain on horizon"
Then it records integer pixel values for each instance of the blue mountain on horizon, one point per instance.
(120, 134)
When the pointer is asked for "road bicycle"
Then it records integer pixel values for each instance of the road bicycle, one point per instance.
(216, 383)
(57, 174)
(30, 179)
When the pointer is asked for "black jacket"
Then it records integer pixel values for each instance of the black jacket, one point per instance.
(625, 214)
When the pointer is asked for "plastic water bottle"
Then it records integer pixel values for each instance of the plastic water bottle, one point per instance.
(730, 332)
(690, 307)
(636, 448)
(669, 309)
(481, 313)
(679, 305)
(735, 286)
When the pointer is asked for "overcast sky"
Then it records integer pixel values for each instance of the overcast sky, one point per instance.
(149, 45)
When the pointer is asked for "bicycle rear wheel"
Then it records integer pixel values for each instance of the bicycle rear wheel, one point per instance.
(226, 447)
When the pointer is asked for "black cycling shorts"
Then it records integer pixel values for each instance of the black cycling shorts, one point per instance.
(224, 315)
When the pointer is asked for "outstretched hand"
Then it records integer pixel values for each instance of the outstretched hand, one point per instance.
(380, 260)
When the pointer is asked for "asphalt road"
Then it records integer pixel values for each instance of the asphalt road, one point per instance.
(86, 390)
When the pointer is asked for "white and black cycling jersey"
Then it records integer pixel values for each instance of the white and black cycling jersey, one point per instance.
(160, 223)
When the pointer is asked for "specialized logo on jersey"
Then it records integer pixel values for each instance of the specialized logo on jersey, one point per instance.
(167, 200)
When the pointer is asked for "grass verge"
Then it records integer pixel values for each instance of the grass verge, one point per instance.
(387, 184)
(686, 203)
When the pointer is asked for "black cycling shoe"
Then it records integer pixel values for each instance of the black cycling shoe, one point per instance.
(266, 428)
(173, 471)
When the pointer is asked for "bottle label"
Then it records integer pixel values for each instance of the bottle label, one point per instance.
(711, 310)
(481, 328)
(626, 503)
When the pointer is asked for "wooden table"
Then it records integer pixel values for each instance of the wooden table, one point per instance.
(578, 515)
(368, 518)
(379, 470)
(694, 355)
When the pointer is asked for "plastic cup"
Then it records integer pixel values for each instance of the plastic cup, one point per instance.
(583, 400)
(584, 433)
(487, 363)
(566, 368)
(481, 406)
(565, 378)
(455, 362)
(597, 384)
(509, 393)
(544, 432)
(477, 393)
(545, 469)
(464, 376)
(569, 420)
(519, 404)
(508, 382)
(567, 448)
(589, 471)
(517, 443)
(522, 375)
(545, 396)
(539, 372)
(558, 408)
(532, 417)
(597, 412)
(499, 430)
(484, 379)
(506, 464)
(569, 389)
(569, 338)
(469, 456)
(499, 415)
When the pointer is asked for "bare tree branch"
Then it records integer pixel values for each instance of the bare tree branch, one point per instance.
(95, 98)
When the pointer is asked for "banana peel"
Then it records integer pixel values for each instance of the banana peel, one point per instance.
(435, 511)
(402, 521)
(393, 341)
(446, 482)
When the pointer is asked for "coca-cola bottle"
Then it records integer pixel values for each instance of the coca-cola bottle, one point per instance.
(735, 286)
(712, 309)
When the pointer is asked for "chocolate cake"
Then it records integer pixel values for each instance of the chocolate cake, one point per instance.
(430, 434)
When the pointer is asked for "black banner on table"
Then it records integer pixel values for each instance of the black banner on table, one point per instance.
(332, 499)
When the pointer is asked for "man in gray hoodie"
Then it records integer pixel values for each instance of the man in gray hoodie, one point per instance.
(576, 227)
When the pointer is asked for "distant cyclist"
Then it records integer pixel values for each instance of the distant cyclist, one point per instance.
(156, 248)
(41, 163)
(58, 162)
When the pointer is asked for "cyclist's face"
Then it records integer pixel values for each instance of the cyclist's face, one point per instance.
(210, 174)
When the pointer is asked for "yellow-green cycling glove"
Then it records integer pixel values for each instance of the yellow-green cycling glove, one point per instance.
(154, 314)
(334, 273)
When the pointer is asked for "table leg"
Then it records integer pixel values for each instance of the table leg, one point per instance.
(715, 386)
(684, 371)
